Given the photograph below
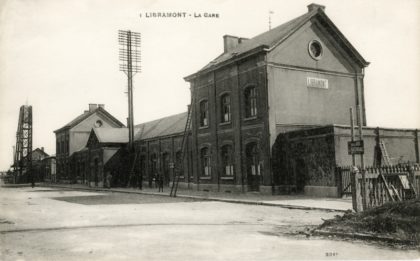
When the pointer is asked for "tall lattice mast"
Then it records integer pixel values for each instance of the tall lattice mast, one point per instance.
(129, 55)
(23, 151)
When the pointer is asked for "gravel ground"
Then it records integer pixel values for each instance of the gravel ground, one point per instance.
(35, 225)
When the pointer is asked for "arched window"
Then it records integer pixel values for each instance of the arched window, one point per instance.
(143, 165)
(250, 102)
(225, 108)
(252, 159)
(153, 164)
(227, 160)
(178, 159)
(205, 162)
(204, 113)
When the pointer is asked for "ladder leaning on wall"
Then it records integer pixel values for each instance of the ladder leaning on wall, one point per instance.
(180, 169)
(384, 153)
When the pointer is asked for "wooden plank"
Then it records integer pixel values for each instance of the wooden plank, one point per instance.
(386, 187)
(396, 192)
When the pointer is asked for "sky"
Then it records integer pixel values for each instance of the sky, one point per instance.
(61, 55)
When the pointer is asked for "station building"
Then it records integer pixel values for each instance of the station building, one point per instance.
(73, 137)
(299, 75)
(269, 114)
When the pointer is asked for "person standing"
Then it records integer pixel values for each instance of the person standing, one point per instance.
(108, 180)
(160, 182)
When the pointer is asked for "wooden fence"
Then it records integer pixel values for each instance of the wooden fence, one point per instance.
(343, 179)
(382, 184)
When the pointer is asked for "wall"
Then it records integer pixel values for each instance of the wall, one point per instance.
(400, 144)
(292, 103)
(160, 146)
(304, 160)
(240, 131)
(79, 134)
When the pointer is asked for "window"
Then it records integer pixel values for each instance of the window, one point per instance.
(252, 159)
(178, 160)
(153, 164)
(225, 108)
(143, 165)
(315, 49)
(205, 162)
(98, 123)
(250, 102)
(204, 113)
(227, 160)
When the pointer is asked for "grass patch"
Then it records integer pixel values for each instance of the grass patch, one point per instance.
(399, 220)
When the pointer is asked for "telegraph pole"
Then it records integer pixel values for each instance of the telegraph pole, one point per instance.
(129, 55)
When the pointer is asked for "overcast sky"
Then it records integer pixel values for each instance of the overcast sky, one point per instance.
(61, 55)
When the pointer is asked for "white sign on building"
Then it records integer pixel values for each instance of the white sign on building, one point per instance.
(317, 83)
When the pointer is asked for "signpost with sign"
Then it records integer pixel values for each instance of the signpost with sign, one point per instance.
(356, 147)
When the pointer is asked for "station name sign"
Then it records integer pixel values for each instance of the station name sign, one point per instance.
(317, 83)
(356, 147)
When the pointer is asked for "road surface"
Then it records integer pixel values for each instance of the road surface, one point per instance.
(55, 224)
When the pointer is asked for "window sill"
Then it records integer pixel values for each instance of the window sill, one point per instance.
(226, 178)
(205, 177)
(251, 118)
(203, 127)
(225, 123)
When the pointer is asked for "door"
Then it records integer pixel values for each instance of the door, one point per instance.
(253, 166)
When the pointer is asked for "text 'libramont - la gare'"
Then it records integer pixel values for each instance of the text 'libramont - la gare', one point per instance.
(178, 15)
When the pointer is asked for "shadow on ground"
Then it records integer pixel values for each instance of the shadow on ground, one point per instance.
(112, 199)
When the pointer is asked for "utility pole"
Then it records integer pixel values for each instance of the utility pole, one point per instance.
(362, 164)
(129, 55)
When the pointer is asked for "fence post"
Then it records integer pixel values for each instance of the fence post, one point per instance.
(339, 181)
(356, 189)
(413, 179)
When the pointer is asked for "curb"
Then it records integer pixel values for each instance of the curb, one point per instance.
(318, 232)
(235, 201)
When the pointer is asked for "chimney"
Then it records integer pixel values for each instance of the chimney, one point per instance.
(92, 107)
(242, 39)
(42, 148)
(314, 6)
(101, 106)
(230, 42)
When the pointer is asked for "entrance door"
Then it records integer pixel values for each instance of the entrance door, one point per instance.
(253, 167)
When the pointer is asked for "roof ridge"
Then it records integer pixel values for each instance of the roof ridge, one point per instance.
(268, 40)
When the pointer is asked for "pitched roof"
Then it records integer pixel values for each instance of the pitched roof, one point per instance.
(85, 115)
(174, 124)
(40, 151)
(275, 36)
(111, 135)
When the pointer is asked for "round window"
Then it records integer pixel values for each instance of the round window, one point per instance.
(315, 49)
(98, 123)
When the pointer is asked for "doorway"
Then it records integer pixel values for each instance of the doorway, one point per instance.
(253, 166)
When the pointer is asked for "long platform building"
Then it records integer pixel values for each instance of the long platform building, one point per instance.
(269, 114)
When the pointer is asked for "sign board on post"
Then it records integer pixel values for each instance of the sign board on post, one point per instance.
(356, 147)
